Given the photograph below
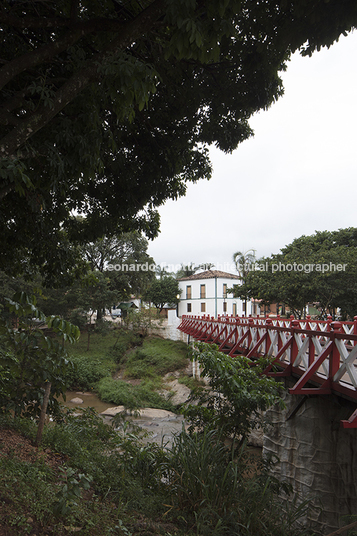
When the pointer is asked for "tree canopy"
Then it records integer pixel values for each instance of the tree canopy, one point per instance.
(164, 291)
(320, 268)
(125, 261)
(108, 108)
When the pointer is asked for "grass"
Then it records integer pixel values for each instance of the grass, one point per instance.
(198, 487)
(124, 476)
(107, 482)
(100, 344)
(132, 397)
(120, 352)
(156, 357)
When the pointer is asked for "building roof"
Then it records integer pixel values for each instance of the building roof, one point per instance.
(127, 305)
(209, 274)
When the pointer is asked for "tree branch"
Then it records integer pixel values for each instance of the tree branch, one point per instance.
(31, 22)
(74, 9)
(48, 51)
(79, 81)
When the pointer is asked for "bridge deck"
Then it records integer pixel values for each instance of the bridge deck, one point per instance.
(320, 355)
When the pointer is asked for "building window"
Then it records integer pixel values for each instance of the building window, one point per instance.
(224, 290)
(203, 307)
(224, 307)
(189, 307)
(188, 292)
(234, 309)
(203, 291)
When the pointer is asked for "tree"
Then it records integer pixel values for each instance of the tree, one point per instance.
(33, 363)
(164, 291)
(187, 270)
(238, 393)
(125, 261)
(320, 268)
(108, 107)
(118, 267)
(243, 262)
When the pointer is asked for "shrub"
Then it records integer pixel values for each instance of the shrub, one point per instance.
(78, 317)
(161, 355)
(216, 489)
(238, 393)
(131, 396)
(87, 372)
(121, 467)
(118, 351)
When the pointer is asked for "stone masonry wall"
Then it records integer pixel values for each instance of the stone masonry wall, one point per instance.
(317, 456)
(168, 328)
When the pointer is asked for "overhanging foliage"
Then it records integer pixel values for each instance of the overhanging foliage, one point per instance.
(108, 108)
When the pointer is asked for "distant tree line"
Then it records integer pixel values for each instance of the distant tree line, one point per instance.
(319, 269)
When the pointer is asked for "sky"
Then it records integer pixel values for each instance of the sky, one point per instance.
(297, 175)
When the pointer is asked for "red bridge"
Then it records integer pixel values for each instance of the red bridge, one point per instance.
(321, 356)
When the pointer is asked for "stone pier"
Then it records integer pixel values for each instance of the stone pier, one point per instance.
(317, 456)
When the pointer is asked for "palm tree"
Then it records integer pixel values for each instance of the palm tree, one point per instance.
(186, 270)
(243, 262)
(162, 271)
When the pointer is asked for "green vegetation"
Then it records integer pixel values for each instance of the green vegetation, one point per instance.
(100, 480)
(163, 291)
(208, 483)
(34, 360)
(105, 482)
(160, 356)
(54, 499)
(319, 269)
(237, 396)
(87, 372)
(132, 397)
(130, 357)
(109, 108)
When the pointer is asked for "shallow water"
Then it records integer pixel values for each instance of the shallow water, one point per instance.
(159, 429)
(90, 400)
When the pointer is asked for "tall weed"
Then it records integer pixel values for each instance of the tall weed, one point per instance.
(215, 488)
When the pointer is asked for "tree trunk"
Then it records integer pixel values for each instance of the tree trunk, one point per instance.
(41, 422)
(89, 327)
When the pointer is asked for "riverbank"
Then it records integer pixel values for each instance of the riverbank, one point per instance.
(126, 480)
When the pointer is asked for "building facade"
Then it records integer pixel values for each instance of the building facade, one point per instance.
(206, 293)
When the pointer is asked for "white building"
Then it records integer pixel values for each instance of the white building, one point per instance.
(206, 293)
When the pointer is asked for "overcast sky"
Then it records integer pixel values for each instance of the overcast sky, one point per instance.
(297, 175)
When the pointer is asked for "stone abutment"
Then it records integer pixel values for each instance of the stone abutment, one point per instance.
(316, 455)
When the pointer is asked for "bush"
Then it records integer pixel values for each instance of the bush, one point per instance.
(121, 467)
(237, 396)
(78, 317)
(102, 327)
(156, 357)
(118, 351)
(87, 372)
(131, 396)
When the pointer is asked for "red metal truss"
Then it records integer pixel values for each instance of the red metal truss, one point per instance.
(320, 355)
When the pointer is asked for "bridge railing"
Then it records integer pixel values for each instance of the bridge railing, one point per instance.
(320, 355)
